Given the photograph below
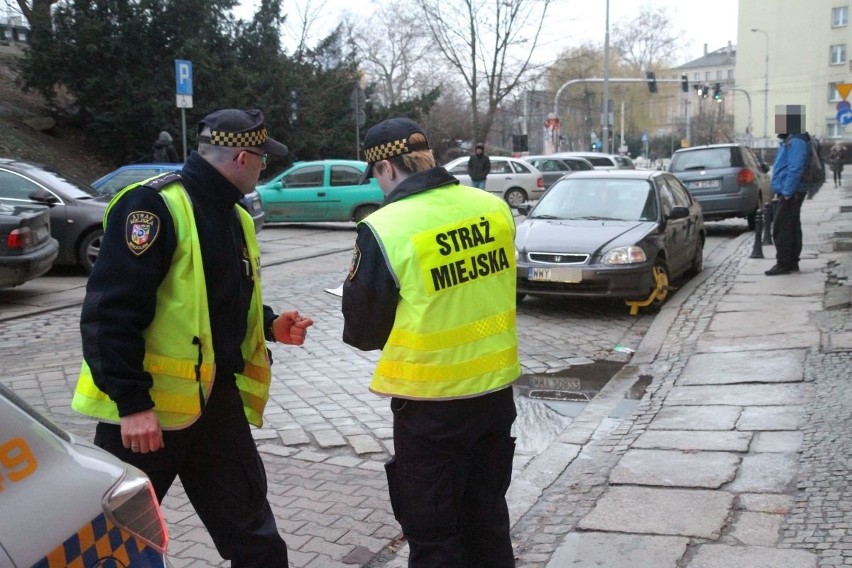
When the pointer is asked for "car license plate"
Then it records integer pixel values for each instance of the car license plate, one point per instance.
(704, 184)
(556, 274)
(555, 383)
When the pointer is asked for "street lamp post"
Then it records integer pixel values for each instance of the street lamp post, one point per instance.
(765, 95)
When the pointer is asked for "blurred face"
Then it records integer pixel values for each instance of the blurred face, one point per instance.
(249, 162)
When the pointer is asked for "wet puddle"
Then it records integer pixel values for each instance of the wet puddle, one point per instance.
(548, 402)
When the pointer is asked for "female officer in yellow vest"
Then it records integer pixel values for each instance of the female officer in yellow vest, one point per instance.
(174, 330)
(432, 284)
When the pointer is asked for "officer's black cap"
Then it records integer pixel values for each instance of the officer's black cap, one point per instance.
(389, 138)
(237, 128)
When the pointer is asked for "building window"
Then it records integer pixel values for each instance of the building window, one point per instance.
(696, 76)
(718, 74)
(707, 75)
(833, 130)
(838, 54)
(833, 95)
(840, 17)
(730, 74)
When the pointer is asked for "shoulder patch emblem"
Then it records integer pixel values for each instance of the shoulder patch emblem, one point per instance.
(141, 231)
(353, 264)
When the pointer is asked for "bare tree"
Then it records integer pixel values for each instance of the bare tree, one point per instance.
(488, 44)
(394, 53)
(645, 42)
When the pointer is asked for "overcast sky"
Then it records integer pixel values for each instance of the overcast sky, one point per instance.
(572, 22)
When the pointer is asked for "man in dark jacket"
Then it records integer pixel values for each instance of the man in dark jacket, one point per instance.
(478, 167)
(788, 188)
(174, 329)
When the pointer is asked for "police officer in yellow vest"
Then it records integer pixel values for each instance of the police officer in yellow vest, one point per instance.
(432, 284)
(174, 330)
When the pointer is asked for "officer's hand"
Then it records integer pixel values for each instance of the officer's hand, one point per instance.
(141, 432)
(291, 328)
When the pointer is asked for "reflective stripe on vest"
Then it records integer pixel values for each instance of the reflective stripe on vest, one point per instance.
(451, 251)
(180, 335)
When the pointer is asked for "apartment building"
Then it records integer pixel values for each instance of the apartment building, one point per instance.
(792, 52)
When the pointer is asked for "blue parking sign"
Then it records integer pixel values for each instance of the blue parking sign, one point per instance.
(183, 77)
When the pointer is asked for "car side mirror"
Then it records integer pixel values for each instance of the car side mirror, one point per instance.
(43, 196)
(764, 167)
(679, 212)
(524, 209)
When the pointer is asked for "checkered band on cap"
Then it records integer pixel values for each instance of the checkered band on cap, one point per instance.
(238, 139)
(387, 150)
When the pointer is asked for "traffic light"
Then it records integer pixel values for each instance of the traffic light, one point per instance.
(717, 93)
(652, 81)
(684, 83)
(702, 91)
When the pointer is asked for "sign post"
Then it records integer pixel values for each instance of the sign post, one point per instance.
(183, 89)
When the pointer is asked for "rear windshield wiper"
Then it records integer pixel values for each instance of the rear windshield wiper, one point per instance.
(546, 217)
(690, 168)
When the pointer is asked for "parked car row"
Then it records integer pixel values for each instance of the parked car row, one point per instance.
(723, 180)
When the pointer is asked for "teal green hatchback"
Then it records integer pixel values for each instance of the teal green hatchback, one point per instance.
(324, 190)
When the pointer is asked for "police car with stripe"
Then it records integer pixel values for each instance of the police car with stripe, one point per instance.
(65, 502)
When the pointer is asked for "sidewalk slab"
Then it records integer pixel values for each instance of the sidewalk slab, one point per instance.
(743, 367)
(594, 549)
(766, 473)
(724, 556)
(786, 338)
(674, 468)
(694, 440)
(696, 418)
(740, 395)
(675, 512)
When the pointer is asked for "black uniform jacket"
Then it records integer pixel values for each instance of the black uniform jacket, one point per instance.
(370, 294)
(121, 291)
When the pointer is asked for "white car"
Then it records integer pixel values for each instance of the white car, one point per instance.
(66, 502)
(514, 180)
(600, 160)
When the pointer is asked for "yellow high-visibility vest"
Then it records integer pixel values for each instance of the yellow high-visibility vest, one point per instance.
(451, 252)
(179, 342)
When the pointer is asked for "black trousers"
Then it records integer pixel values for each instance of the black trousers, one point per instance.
(787, 231)
(448, 479)
(218, 463)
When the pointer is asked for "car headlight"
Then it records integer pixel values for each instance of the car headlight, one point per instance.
(624, 255)
(132, 505)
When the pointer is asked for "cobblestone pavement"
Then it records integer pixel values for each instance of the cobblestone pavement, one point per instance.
(326, 437)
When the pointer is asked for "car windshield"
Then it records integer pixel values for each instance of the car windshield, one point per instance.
(598, 199)
(703, 159)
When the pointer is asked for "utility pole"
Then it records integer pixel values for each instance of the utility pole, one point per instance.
(605, 114)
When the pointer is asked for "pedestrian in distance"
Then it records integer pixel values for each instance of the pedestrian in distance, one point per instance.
(163, 151)
(788, 189)
(174, 333)
(432, 284)
(479, 166)
(836, 160)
